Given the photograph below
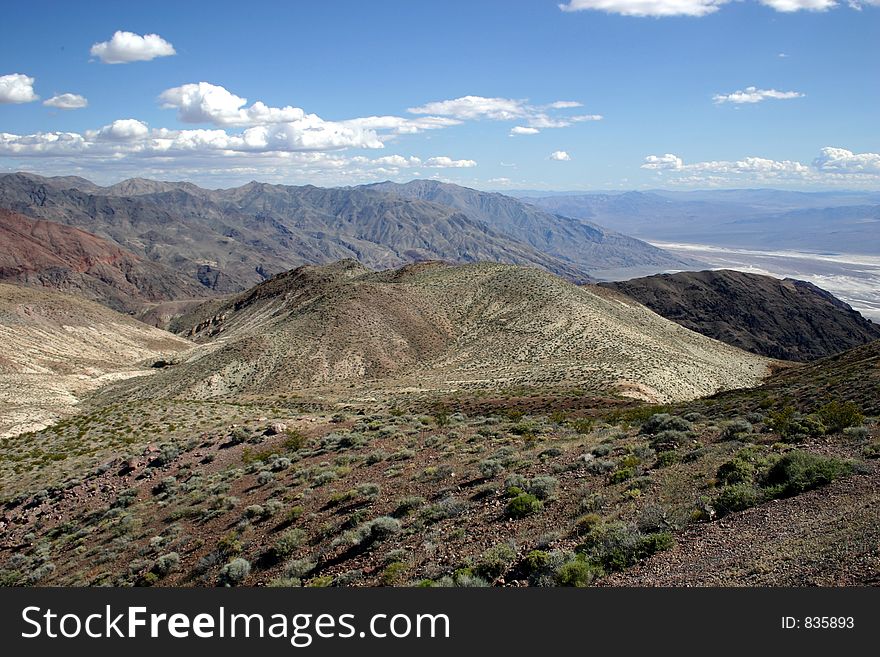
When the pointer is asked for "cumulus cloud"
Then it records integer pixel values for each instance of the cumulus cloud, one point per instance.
(832, 166)
(660, 162)
(203, 102)
(788, 6)
(535, 117)
(121, 130)
(443, 162)
(125, 47)
(840, 160)
(755, 95)
(560, 156)
(17, 88)
(646, 7)
(67, 102)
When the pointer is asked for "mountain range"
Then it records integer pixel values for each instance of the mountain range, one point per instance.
(227, 240)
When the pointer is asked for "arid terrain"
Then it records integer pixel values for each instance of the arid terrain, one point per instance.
(434, 425)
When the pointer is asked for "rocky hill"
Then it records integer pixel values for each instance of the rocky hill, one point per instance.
(60, 257)
(55, 347)
(434, 326)
(785, 319)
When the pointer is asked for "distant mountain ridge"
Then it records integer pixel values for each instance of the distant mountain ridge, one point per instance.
(786, 319)
(228, 240)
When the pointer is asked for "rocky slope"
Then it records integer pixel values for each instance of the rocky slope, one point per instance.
(55, 347)
(52, 255)
(433, 326)
(785, 319)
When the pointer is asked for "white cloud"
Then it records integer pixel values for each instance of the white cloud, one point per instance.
(536, 117)
(67, 102)
(443, 162)
(121, 130)
(523, 130)
(755, 95)
(560, 156)
(646, 7)
(788, 6)
(125, 47)
(203, 102)
(475, 107)
(840, 160)
(659, 162)
(17, 88)
(833, 166)
(398, 125)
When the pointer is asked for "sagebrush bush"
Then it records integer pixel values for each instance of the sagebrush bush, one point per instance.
(738, 497)
(167, 563)
(288, 542)
(577, 571)
(736, 429)
(665, 422)
(837, 415)
(496, 561)
(523, 505)
(800, 471)
(235, 572)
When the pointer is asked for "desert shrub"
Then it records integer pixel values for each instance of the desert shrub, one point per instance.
(577, 571)
(523, 505)
(800, 471)
(622, 474)
(668, 440)
(369, 490)
(736, 471)
(292, 515)
(655, 518)
(287, 543)
(234, 572)
(857, 433)
(665, 459)
(872, 451)
(265, 477)
(599, 466)
(293, 440)
(837, 415)
(585, 523)
(490, 468)
(464, 579)
(542, 486)
(615, 546)
(601, 450)
(665, 422)
(254, 511)
(737, 497)
(299, 568)
(167, 486)
(167, 563)
(393, 573)
(736, 429)
(516, 481)
(239, 435)
(370, 532)
(407, 504)
(496, 561)
(448, 507)
(791, 425)
(583, 425)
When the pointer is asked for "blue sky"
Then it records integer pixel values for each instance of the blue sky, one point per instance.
(736, 94)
